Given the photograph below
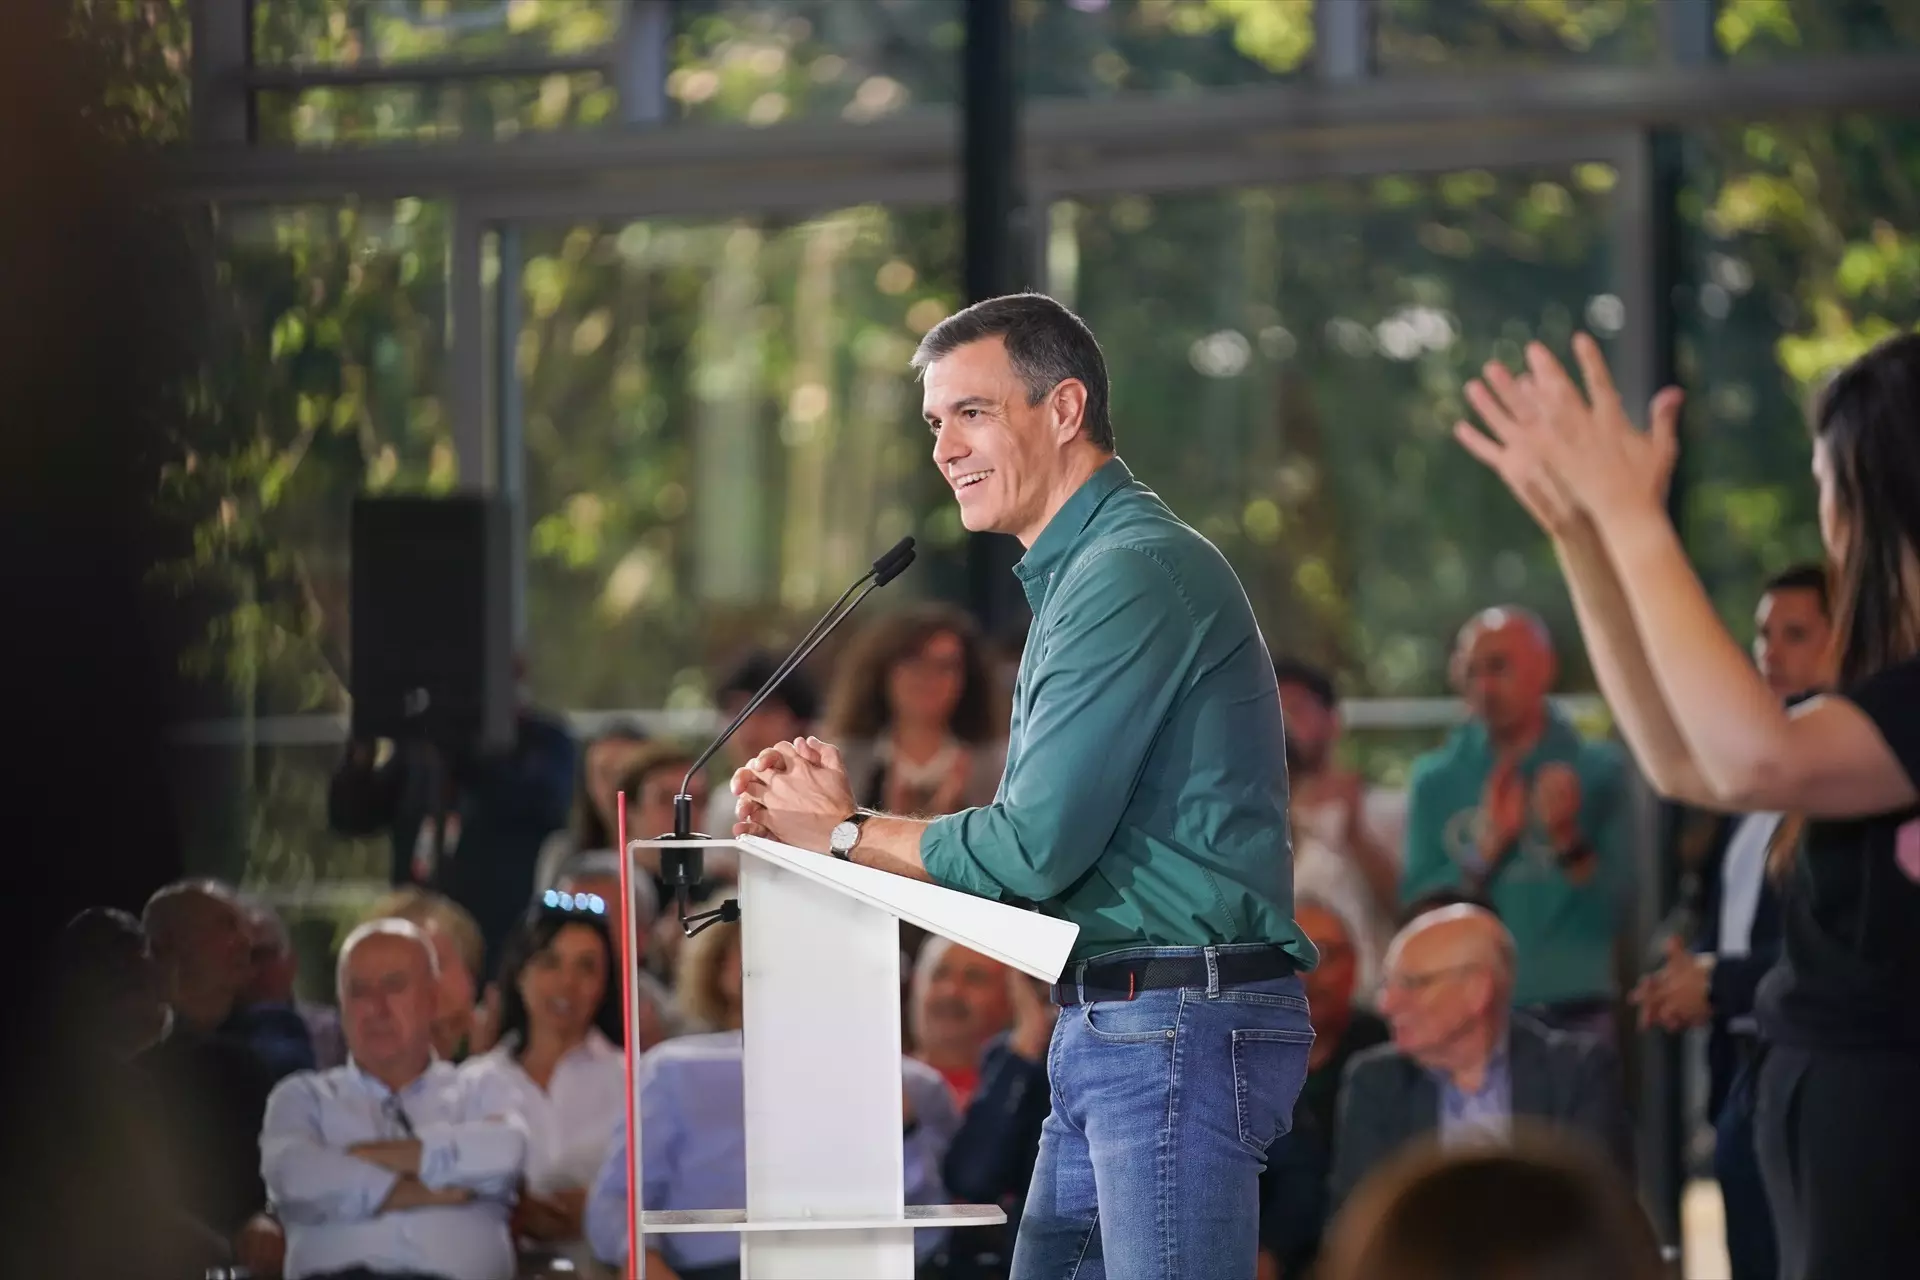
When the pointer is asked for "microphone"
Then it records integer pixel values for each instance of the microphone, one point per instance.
(681, 870)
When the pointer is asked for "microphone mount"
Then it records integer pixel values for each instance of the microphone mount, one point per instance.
(681, 868)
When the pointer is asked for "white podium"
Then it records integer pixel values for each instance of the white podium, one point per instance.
(820, 965)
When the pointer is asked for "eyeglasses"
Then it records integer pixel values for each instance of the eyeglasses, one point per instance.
(559, 900)
(1415, 983)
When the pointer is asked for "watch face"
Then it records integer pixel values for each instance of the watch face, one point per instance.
(843, 836)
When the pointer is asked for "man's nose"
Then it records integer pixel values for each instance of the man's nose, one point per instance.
(946, 448)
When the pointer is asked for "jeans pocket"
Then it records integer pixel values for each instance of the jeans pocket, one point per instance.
(1269, 1066)
(1139, 1021)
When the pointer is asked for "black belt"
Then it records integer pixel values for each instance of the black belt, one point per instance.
(1124, 979)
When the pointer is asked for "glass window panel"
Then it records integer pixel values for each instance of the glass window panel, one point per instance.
(1288, 362)
(1096, 48)
(1770, 30)
(1426, 34)
(257, 815)
(1803, 254)
(495, 109)
(328, 380)
(722, 431)
(348, 32)
(763, 61)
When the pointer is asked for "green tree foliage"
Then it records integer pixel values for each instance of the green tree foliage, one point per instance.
(718, 421)
(1449, 34)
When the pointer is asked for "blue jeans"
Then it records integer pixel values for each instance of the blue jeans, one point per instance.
(1163, 1108)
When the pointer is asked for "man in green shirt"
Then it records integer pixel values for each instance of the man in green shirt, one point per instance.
(1144, 800)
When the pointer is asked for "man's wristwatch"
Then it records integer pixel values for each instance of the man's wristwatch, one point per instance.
(846, 834)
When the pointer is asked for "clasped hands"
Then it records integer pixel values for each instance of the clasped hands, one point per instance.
(794, 792)
(1679, 994)
(1570, 456)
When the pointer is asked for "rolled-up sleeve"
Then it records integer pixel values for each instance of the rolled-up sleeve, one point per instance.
(1118, 646)
(484, 1152)
(308, 1181)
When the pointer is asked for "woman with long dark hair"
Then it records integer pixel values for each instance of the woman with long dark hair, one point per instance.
(1837, 1122)
(560, 1052)
(916, 716)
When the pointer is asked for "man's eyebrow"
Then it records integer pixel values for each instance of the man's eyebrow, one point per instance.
(964, 402)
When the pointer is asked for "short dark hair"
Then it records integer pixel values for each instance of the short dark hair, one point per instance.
(1542, 1207)
(754, 669)
(1802, 577)
(1046, 344)
(1308, 677)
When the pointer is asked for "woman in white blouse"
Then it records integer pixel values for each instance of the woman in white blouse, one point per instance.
(560, 1052)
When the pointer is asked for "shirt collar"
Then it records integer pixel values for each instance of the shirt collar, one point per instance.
(1072, 519)
(378, 1088)
(1494, 1080)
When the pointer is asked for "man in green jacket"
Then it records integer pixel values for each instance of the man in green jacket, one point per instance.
(1519, 808)
(1144, 800)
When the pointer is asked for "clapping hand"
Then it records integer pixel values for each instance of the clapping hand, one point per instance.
(1566, 455)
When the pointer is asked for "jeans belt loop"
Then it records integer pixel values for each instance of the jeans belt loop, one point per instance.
(1213, 971)
(1080, 982)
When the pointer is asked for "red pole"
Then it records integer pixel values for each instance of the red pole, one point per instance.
(630, 1021)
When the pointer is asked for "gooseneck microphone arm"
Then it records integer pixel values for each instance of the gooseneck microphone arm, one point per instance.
(681, 869)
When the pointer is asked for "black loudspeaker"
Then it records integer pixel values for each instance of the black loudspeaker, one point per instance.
(432, 622)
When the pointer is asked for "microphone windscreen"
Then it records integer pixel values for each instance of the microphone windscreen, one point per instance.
(896, 564)
(893, 560)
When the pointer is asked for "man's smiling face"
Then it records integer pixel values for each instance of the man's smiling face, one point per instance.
(998, 452)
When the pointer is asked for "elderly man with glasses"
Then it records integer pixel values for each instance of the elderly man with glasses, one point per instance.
(1462, 1066)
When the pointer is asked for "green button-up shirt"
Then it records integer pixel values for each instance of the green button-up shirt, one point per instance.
(1145, 795)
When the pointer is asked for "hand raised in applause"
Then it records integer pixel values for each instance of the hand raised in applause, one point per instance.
(1567, 455)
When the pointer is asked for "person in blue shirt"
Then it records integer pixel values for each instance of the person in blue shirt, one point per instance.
(397, 1164)
(693, 1130)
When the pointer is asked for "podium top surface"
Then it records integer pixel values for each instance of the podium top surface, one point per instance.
(1033, 943)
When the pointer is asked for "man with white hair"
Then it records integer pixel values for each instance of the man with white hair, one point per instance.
(957, 1004)
(1462, 1065)
(395, 1164)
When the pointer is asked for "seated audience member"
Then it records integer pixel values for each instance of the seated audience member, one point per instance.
(397, 1164)
(1542, 1211)
(1435, 899)
(559, 1059)
(915, 714)
(1518, 806)
(958, 1003)
(788, 713)
(460, 1027)
(990, 1160)
(693, 1126)
(1461, 1063)
(213, 1086)
(1346, 852)
(101, 1113)
(595, 878)
(1294, 1188)
(603, 762)
(288, 1034)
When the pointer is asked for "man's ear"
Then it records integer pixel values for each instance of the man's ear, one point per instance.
(1067, 403)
